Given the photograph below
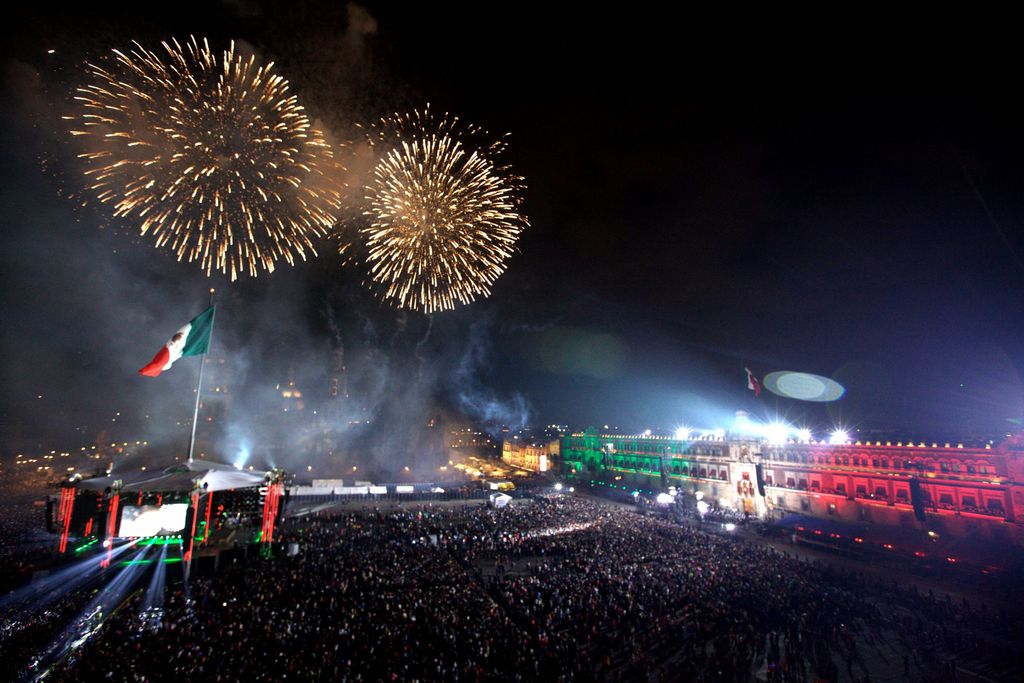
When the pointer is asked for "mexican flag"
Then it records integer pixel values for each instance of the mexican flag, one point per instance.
(752, 383)
(191, 340)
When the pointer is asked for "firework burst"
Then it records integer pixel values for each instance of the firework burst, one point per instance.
(211, 154)
(444, 216)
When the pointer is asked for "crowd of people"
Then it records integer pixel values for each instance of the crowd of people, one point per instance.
(26, 548)
(558, 588)
(22, 533)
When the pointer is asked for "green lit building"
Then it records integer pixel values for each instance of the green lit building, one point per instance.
(724, 470)
(952, 489)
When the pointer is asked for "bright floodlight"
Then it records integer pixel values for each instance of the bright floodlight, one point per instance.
(839, 436)
(683, 433)
(700, 495)
(730, 526)
(742, 424)
(702, 507)
(664, 498)
(558, 486)
(804, 435)
(776, 433)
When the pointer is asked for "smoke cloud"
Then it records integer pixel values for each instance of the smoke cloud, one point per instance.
(306, 369)
(477, 400)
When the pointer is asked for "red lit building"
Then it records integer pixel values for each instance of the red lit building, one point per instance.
(944, 488)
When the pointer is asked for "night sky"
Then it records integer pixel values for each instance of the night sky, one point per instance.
(705, 193)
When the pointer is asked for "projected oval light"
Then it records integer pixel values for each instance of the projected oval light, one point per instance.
(803, 386)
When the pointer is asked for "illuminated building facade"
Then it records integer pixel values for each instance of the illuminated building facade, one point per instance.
(291, 397)
(945, 488)
(528, 455)
(468, 439)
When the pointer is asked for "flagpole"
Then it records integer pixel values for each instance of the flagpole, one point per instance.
(199, 386)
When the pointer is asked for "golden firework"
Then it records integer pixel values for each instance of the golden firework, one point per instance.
(444, 215)
(211, 154)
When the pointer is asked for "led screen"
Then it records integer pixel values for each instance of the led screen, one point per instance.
(153, 520)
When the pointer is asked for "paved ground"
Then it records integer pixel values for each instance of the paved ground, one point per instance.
(297, 509)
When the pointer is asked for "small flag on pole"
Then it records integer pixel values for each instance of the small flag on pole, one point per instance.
(191, 340)
(752, 383)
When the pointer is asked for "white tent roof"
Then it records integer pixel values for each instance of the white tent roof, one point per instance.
(212, 476)
(499, 500)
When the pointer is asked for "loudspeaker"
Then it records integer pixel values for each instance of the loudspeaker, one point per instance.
(51, 523)
(187, 536)
(759, 473)
(917, 499)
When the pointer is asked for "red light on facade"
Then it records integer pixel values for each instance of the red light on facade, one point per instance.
(858, 540)
(887, 546)
(111, 528)
(817, 532)
(951, 559)
(918, 553)
(270, 509)
(67, 502)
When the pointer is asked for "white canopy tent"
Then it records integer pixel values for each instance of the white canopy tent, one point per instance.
(212, 476)
(499, 500)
